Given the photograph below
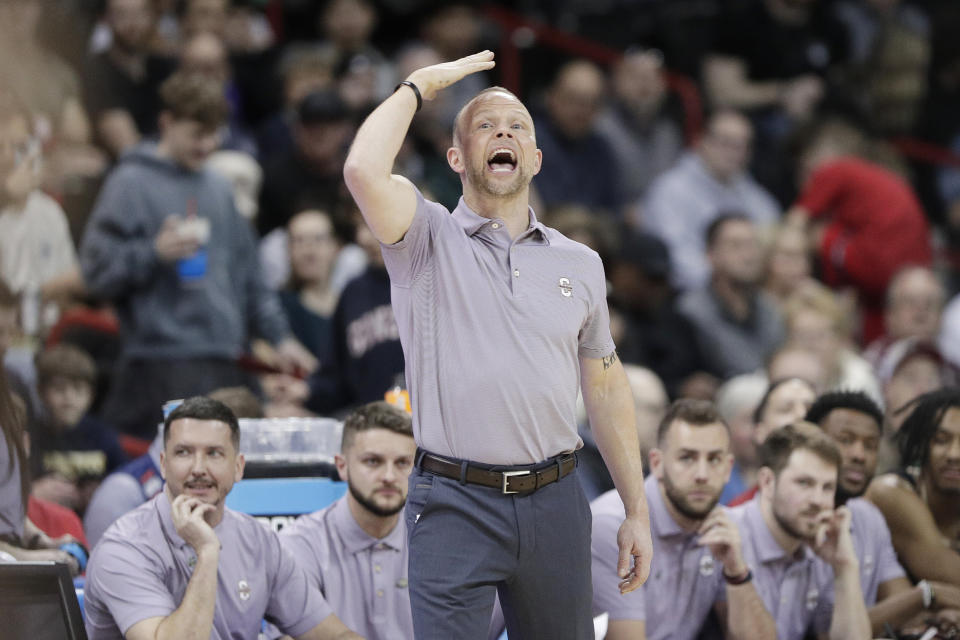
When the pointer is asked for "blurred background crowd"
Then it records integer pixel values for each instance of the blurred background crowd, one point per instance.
(773, 186)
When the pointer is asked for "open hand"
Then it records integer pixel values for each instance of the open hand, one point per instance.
(435, 77)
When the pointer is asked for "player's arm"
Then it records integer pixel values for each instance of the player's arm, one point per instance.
(387, 201)
(916, 538)
(609, 403)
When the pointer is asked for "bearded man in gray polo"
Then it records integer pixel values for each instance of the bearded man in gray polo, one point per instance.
(184, 566)
(500, 318)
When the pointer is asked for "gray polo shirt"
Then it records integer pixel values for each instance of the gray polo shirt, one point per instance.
(685, 580)
(492, 329)
(141, 567)
(871, 540)
(796, 589)
(364, 579)
(12, 510)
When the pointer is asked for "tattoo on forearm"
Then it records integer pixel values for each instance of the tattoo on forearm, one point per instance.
(609, 360)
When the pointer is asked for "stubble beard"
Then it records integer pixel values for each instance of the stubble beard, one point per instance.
(680, 503)
(479, 179)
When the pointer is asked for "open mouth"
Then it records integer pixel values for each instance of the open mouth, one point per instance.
(502, 160)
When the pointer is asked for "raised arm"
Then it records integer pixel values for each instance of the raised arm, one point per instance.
(609, 403)
(387, 201)
(850, 620)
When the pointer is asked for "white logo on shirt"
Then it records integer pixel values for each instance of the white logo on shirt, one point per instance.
(812, 596)
(565, 287)
(706, 565)
(243, 589)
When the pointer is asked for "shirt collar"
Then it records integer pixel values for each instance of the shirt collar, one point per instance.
(663, 524)
(472, 222)
(355, 539)
(768, 549)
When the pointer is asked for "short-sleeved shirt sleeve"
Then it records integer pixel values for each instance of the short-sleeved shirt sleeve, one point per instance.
(295, 605)
(406, 258)
(125, 585)
(595, 340)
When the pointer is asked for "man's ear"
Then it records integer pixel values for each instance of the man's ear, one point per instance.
(341, 463)
(766, 480)
(455, 160)
(241, 463)
(163, 469)
(656, 462)
(537, 161)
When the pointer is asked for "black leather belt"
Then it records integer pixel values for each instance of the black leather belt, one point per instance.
(508, 481)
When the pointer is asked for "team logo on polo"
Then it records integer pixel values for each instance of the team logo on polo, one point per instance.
(243, 590)
(566, 289)
(707, 566)
(812, 597)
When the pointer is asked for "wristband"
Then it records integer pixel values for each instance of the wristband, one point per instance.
(77, 551)
(738, 580)
(926, 589)
(416, 92)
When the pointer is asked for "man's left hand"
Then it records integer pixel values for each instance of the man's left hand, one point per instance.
(635, 542)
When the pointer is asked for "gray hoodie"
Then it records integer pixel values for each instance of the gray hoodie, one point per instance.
(161, 316)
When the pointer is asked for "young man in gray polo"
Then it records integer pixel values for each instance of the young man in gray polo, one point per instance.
(184, 566)
(355, 550)
(797, 544)
(698, 564)
(500, 317)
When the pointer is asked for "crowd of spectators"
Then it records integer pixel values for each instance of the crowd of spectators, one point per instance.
(174, 220)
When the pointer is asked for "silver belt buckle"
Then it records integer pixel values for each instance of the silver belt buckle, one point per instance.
(509, 474)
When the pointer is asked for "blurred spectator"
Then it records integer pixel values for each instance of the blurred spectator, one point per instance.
(454, 30)
(645, 137)
(793, 361)
(19, 537)
(655, 334)
(16, 354)
(788, 262)
(786, 401)
(913, 308)
(865, 223)
(682, 202)
(55, 102)
(347, 28)
(205, 54)
(303, 69)
(949, 339)
(141, 479)
(71, 451)
(771, 60)
(313, 168)
(920, 500)
(819, 323)
(737, 401)
(889, 51)
(907, 369)
(579, 166)
(309, 300)
(37, 256)
(164, 230)
(245, 175)
(737, 326)
(367, 359)
(650, 402)
(242, 29)
(121, 83)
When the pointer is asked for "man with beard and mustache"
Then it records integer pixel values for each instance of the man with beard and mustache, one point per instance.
(500, 319)
(797, 544)
(698, 564)
(184, 566)
(921, 502)
(854, 422)
(737, 325)
(355, 550)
